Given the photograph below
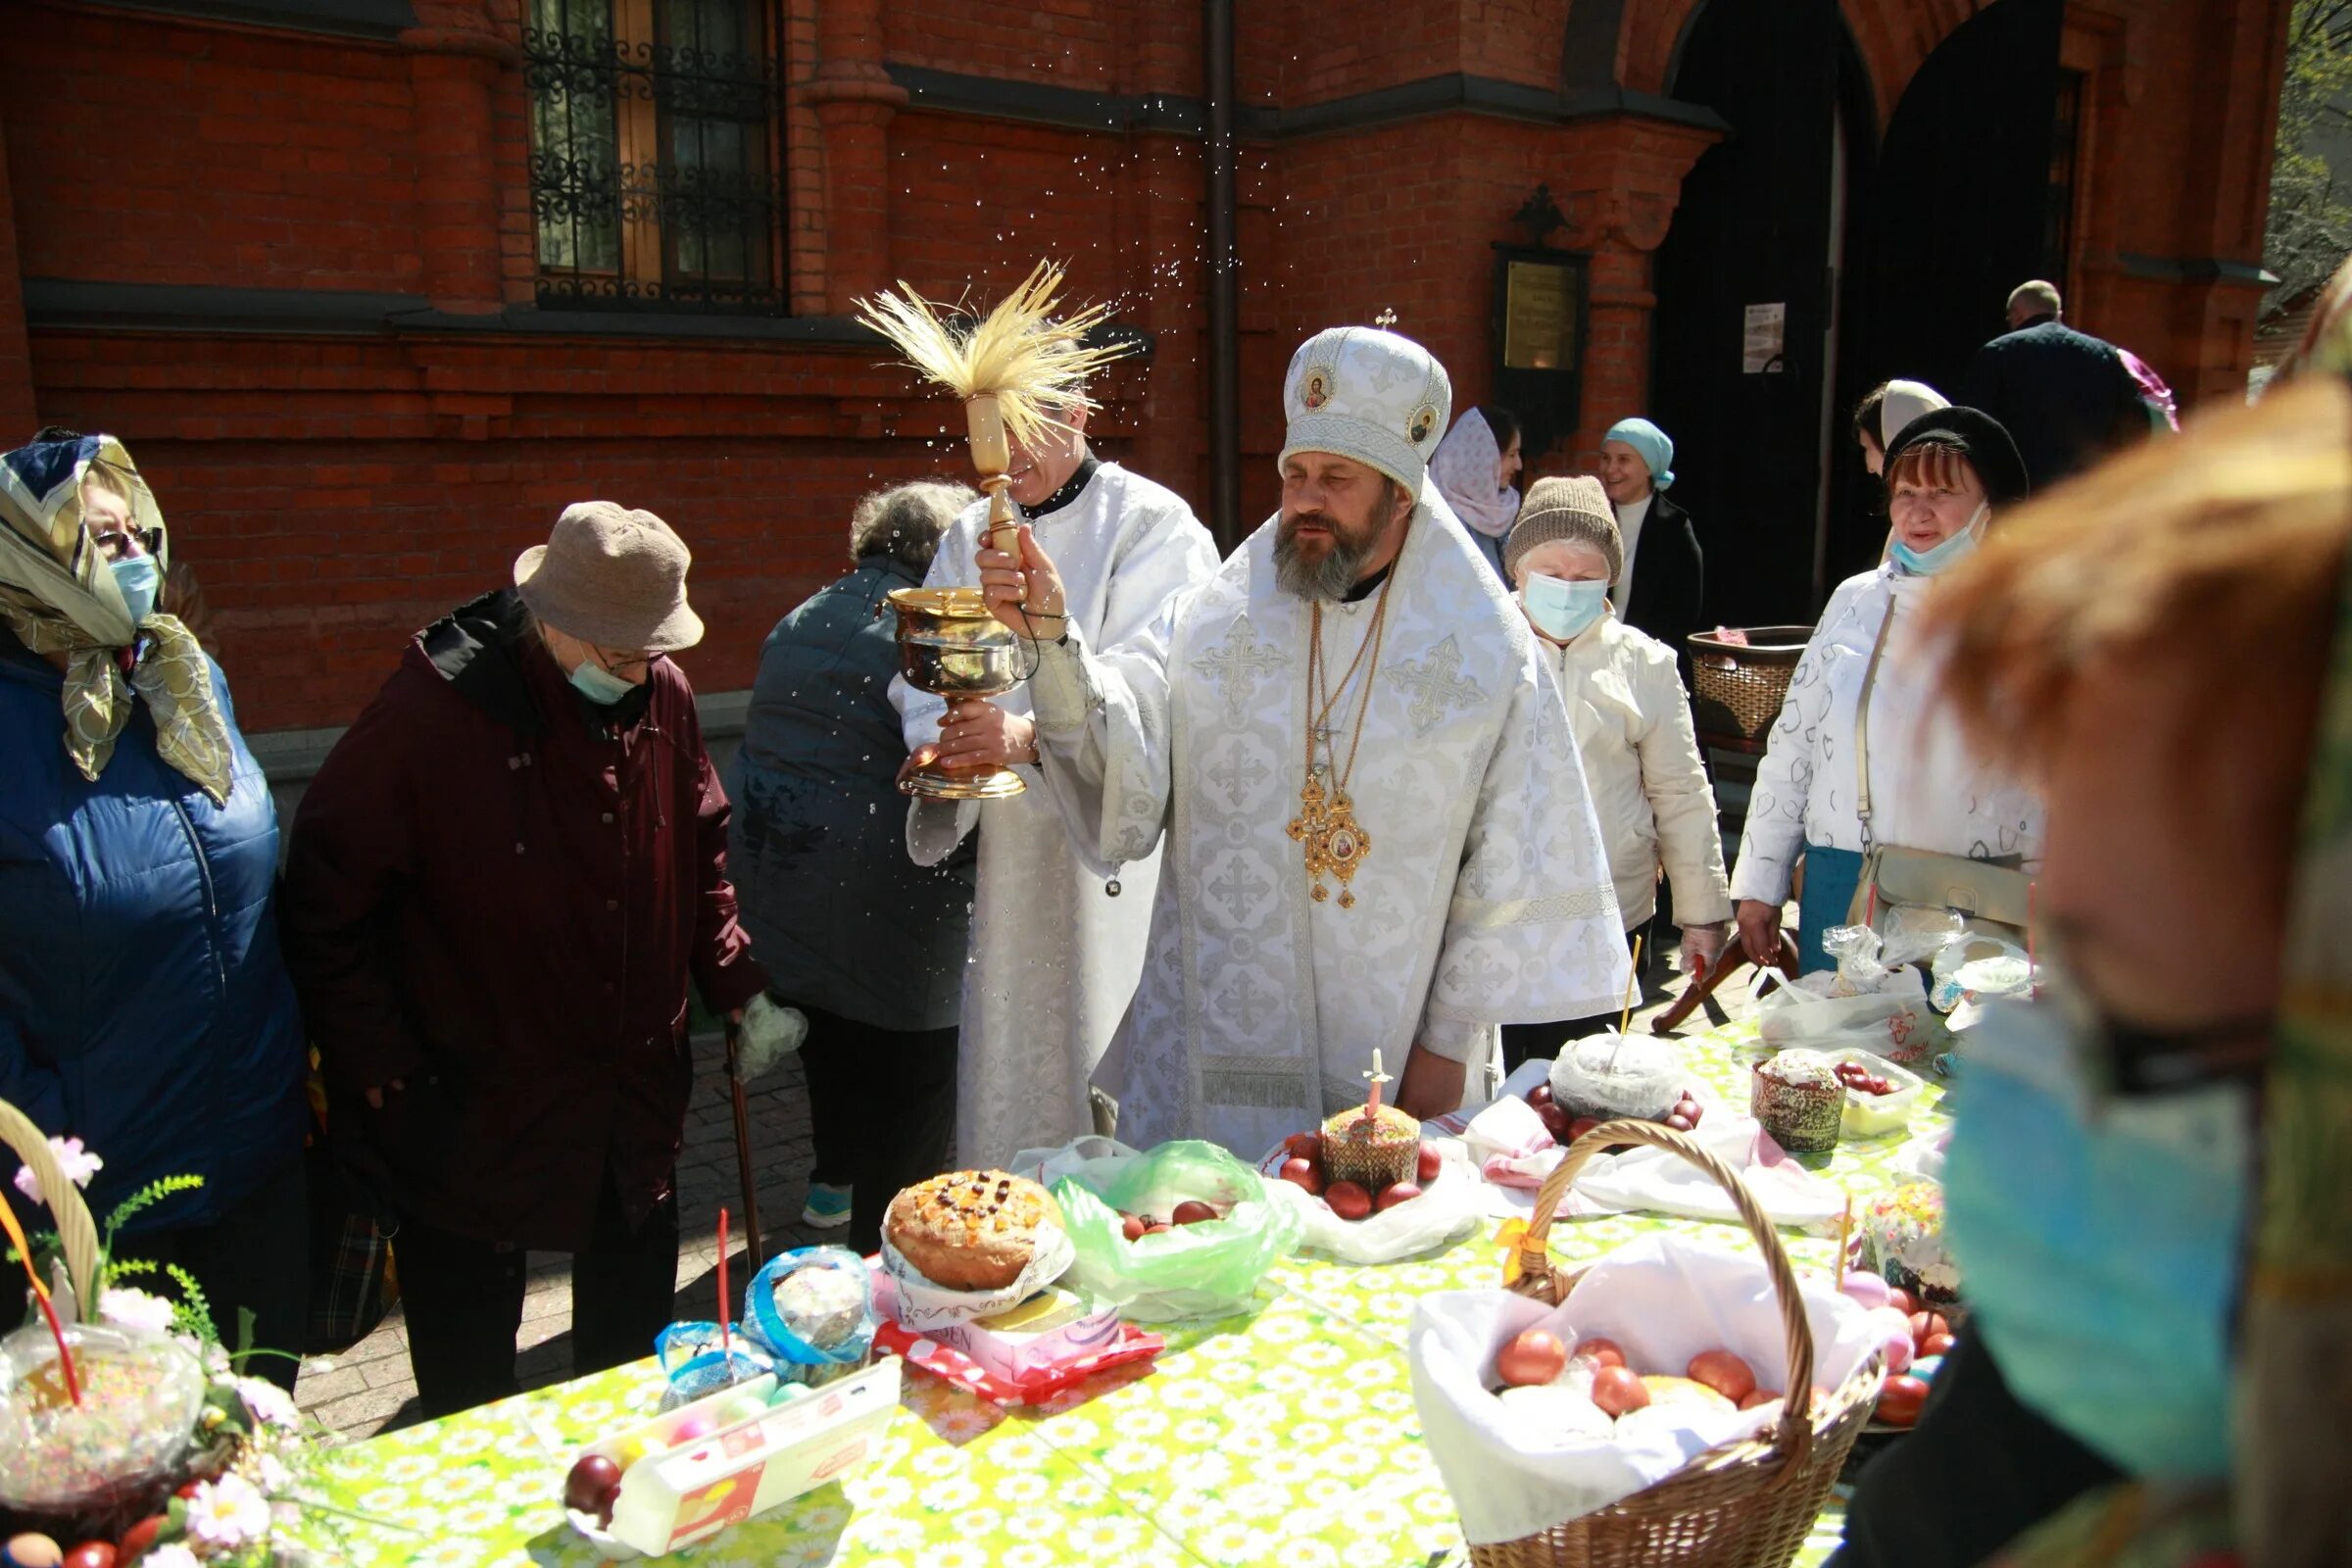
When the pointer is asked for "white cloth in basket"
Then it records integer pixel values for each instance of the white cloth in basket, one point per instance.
(1664, 1299)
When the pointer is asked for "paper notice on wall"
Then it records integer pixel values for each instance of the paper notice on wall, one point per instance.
(1763, 341)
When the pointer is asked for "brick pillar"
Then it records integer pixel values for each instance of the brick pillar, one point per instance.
(453, 73)
(1625, 180)
(18, 420)
(854, 99)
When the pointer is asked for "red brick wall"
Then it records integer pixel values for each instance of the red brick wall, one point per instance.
(334, 493)
(149, 152)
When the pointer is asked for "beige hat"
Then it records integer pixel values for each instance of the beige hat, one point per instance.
(613, 578)
(1575, 509)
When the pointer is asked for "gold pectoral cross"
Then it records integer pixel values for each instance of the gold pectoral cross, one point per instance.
(1336, 843)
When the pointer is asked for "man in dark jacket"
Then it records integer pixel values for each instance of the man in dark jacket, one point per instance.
(866, 943)
(2064, 396)
(501, 881)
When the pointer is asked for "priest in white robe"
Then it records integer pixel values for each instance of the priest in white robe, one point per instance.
(1055, 954)
(1377, 832)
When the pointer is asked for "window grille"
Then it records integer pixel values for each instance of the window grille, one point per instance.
(655, 154)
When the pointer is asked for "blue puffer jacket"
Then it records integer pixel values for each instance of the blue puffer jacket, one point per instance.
(144, 1008)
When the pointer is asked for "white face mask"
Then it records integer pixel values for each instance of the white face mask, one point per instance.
(1560, 608)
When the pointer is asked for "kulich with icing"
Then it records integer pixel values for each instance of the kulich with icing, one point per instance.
(971, 1230)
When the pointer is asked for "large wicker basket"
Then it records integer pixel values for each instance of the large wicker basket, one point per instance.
(1748, 1505)
(1737, 689)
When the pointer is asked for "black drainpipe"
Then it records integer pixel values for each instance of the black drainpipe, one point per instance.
(1224, 306)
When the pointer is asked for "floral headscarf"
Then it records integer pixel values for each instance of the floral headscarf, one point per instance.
(1464, 467)
(58, 596)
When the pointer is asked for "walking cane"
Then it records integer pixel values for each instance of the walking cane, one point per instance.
(755, 1256)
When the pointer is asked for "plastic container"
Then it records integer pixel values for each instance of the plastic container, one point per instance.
(1872, 1115)
(689, 1473)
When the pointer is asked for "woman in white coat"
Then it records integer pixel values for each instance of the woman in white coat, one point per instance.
(1946, 473)
(1632, 722)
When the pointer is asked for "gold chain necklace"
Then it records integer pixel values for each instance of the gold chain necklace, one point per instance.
(1335, 841)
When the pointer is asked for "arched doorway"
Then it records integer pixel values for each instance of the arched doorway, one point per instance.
(1875, 258)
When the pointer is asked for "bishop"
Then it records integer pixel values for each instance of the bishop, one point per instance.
(1377, 833)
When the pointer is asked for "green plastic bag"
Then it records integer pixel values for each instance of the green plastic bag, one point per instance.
(1207, 1270)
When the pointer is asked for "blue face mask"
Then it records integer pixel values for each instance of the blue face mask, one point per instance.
(2098, 1246)
(1561, 609)
(599, 684)
(1927, 562)
(137, 578)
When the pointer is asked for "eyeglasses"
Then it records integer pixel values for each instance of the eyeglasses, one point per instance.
(115, 543)
(631, 667)
(2131, 1058)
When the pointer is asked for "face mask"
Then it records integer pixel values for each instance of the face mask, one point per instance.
(137, 578)
(1927, 562)
(1561, 609)
(599, 684)
(2098, 1244)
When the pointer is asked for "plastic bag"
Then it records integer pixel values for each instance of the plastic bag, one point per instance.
(1894, 1021)
(1857, 949)
(1207, 1270)
(1912, 932)
(842, 1319)
(1448, 1207)
(769, 1032)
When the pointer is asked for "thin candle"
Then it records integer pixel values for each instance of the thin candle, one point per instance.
(1845, 1224)
(40, 1293)
(726, 1349)
(1632, 989)
(1377, 1077)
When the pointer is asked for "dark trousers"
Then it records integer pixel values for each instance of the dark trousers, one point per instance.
(1977, 1471)
(881, 1111)
(1521, 1041)
(464, 1302)
(254, 1258)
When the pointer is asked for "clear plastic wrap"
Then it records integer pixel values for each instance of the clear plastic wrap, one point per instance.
(1610, 1074)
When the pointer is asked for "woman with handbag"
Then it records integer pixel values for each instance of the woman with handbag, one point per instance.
(1865, 775)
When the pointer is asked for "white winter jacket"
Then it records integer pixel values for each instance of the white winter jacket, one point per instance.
(1632, 723)
(1928, 790)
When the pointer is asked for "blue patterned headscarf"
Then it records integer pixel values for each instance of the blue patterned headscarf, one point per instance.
(1655, 446)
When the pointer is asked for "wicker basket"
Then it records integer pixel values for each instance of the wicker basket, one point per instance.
(1747, 1505)
(1737, 689)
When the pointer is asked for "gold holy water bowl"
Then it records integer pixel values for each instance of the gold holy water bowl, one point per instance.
(951, 646)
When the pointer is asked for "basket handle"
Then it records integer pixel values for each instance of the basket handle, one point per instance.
(1794, 1436)
(77, 1232)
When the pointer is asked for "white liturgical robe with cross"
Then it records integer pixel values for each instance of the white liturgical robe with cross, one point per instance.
(1483, 898)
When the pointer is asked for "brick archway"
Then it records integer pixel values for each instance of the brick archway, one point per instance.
(1894, 37)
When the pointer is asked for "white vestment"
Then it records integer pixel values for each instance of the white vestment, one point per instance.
(1054, 957)
(1485, 896)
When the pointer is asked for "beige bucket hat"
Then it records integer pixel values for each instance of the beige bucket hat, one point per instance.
(613, 578)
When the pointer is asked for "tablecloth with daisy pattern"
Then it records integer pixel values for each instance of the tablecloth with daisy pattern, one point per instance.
(1284, 1436)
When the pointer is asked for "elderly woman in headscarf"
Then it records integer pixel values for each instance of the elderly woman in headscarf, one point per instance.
(2149, 1184)
(144, 1010)
(1927, 787)
(1473, 469)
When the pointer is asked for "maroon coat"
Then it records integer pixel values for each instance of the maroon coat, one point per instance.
(497, 900)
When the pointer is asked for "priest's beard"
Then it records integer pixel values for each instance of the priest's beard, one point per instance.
(1327, 572)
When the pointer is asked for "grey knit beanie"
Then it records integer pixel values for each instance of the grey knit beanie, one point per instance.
(1575, 509)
